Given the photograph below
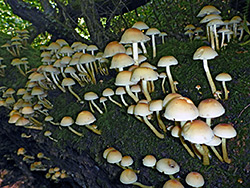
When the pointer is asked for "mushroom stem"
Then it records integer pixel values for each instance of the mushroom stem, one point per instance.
(36, 122)
(209, 77)
(159, 135)
(160, 122)
(135, 53)
(141, 185)
(222, 39)
(224, 151)
(186, 146)
(208, 121)
(131, 94)
(73, 93)
(216, 153)
(212, 37)
(154, 46)
(123, 100)
(216, 38)
(162, 85)
(144, 49)
(115, 102)
(74, 131)
(145, 90)
(57, 84)
(171, 82)
(53, 139)
(225, 89)
(98, 109)
(20, 70)
(93, 129)
(204, 152)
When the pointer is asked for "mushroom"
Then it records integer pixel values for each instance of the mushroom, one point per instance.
(108, 92)
(172, 184)
(69, 82)
(67, 121)
(195, 179)
(162, 35)
(120, 61)
(149, 161)
(216, 141)
(121, 91)
(48, 134)
(85, 118)
(142, 109)
(225, 131)
(205, 53)
(153, 32)
(113, 48)
(91, 96)
(167, 61)
(224, 77)
(128, 176)
(141, 26)
(210, 108)
(156, 106)
(167, 166)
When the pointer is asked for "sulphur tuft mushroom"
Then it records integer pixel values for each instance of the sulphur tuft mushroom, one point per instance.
(224, 77)
(195, 179)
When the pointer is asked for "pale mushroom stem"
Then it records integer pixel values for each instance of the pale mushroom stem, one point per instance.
(152, 86)
(95, 105)
(93, 129)
(57, 84)
(216, 38)
(115, 102)
(141, 185)
(186, 146)
(20, 70)
(216, 153)
(225, 89)
(36, 122)
(203, 150)
(208, 33)
(212, 37)
(145, 90)
(123, 100)
(74, 131)
(235, 29)
(162, 85)
(159, 135)
(135, 53)
(53, 139)
(74, 75)
(209, 77)
(91, 108)
(144, 49)
(208, 121)
(160, 122)
(222, 39)
(171, 82)
(73, 93)
(224, 151)
(92, 72)
(154, 46)
(162, 40)
(241, 34)
(131, 94)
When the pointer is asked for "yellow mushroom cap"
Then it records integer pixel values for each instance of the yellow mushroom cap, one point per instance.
(113, 48)
(128, 176)
(173, 184)
(121, 60)
(224, 130)
(167, 166)
(114, 156)
(66, 121)
(132, 35)
(106, 152)
(149, 161)
(197, 132)
(223, 77)
(144, 73)
(210, 108)
(90, 96)
(127, 160)
(205, 52)
(140, 25)
(167, 61)
(195, 179)
(142, 109)
(85, 118)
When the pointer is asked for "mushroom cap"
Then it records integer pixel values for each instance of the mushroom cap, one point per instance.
(27, 110)
(90, 96)
(210, 17)
(66, 50)
(62, 42)
(22, 121)
(236, 19)
(169, 97)
(147, 64)
(135, 88)
(197, 131)
(54, 46)
(205, 52)
(208, 9)
(120, 91)
(152, 31)
(108, 92)
(140, 25)
(130, 109)
(223, 77)
(216, 141)
(37, 91)
(68, 82)
(113, 48)
(155, 105)
(121, 60)
(123, 78)
(106, 152)
(144, 73)
(163, 34)
(65, 60)
(114, 156)
(216, 22)
(66, 121)
(173, 184)
(142, 109)
(127, 160)
(85, 118)
(86, 58)
(132, 35)
(175, 131)
(195, 179)
(189, 27)
(167, 61)
(128, 176)
(210, 108)
(74, 44)
(181, 109)
(149, 161)
(92, 47)
(13, 118)
(167, 166)
(224, 130)
(70, 70)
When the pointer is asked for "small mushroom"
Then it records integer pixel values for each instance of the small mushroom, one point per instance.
(224, 77)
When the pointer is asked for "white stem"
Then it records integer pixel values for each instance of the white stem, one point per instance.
(135, 53)
(145, 90)
(225, 89)
(154, 46)
(209, 77)
(171, 82)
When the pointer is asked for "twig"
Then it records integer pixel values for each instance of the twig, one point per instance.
(243, 110)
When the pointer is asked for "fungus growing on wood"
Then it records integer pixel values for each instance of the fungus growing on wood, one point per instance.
(172, 183)
(156, 106)
(85, 118)
(205, 53)
(48, 134)
(225, 131)
(167, 166)
(149, 161)
(91, 96)
(224, 77)
(195, 179)
(113, 48)
(70, 82)
(67, 121)
(108, 92)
